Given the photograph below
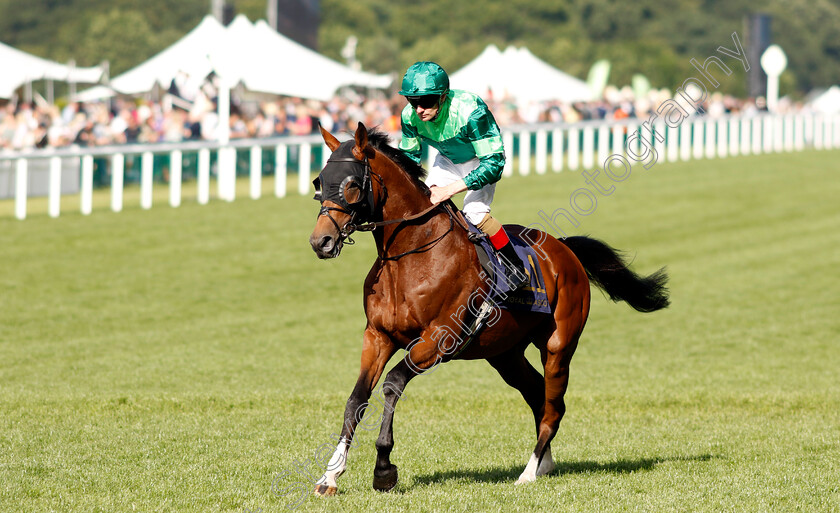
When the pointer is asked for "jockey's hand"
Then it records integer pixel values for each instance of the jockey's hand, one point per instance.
(441, 194)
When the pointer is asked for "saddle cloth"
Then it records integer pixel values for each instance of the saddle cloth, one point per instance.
(528, 298)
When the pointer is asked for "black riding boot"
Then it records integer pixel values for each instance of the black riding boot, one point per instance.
(517, 274)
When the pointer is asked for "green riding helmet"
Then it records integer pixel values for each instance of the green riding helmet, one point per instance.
(423, 79)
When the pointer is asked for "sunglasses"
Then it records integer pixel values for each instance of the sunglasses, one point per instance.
(427, 102)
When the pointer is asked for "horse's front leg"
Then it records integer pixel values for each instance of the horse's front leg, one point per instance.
(420, 358)
(377, 349)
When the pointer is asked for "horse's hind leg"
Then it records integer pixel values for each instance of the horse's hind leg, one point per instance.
(518, 372)
(557, 356)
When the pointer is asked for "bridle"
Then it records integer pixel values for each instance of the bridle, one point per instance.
(366, 200)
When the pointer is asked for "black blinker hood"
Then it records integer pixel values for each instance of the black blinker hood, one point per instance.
(337, 174)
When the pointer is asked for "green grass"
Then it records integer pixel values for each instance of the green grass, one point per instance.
(178, 359)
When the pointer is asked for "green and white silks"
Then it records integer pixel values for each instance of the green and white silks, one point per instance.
(463, 130)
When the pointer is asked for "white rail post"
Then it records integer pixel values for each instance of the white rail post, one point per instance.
(756, 135)
(524, 153)
(304, 167)
(21, 183)
(507, 142)
(711, 130)
(673, 143)
(203, 178)
(557, 150)
(685, 140)
(789, 132)
(617, 140)
(256, 172)
(603, 144)
(778, 134)
(541, 152)
(574, 148)
(117, 179)
(745, 136)
(697, 137)
(87, 185)
(767, 135)
(659, 129)
(280, 163)
(734, 146)
(636, 145)
(588, 147)
(829, 132)
(55, 186)
(147, 166)
(799, 133)
(819, 132)
(176, 166)
(810, 123)
(722, 140)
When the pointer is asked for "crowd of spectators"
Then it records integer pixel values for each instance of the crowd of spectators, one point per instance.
(32, 125)
(124, 121)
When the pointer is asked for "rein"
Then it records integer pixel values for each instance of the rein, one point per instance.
(371, 225)
(350, 227)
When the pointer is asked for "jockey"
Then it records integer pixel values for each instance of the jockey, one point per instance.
(471, 156)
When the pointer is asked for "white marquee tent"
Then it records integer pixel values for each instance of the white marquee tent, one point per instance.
(20, 68)
(828, 102)
(281, 66)
(192, 54)
(518, 73)
(254, 55)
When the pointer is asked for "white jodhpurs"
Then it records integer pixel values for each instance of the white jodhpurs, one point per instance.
(476, 203)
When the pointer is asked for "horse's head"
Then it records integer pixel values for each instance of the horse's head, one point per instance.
(345, 191)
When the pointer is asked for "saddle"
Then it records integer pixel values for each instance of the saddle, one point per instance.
(528, 298)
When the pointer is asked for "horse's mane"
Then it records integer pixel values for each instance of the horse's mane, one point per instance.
(380, 141)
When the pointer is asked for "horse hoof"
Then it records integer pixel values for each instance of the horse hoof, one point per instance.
(546, 467)
(524, 480)
(325, 491)
(384, 480)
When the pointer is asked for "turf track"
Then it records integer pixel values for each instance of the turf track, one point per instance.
(179, 359)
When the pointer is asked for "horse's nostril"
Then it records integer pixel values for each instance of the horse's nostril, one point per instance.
(327, 244)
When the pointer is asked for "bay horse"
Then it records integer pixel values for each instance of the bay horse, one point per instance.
(426, 276)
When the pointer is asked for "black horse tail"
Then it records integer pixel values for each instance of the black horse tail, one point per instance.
(607, 269)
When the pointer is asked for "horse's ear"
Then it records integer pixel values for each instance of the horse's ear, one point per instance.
(363, 148)
(332, 142)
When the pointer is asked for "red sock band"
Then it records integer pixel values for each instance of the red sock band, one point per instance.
(499, 239)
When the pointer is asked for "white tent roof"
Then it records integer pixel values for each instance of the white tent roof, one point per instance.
(191, 54)
(828, 102)
(255, 55)
(20, 67)
(518, 73)
(295, 70)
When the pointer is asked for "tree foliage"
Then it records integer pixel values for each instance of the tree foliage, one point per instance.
(654, 38)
